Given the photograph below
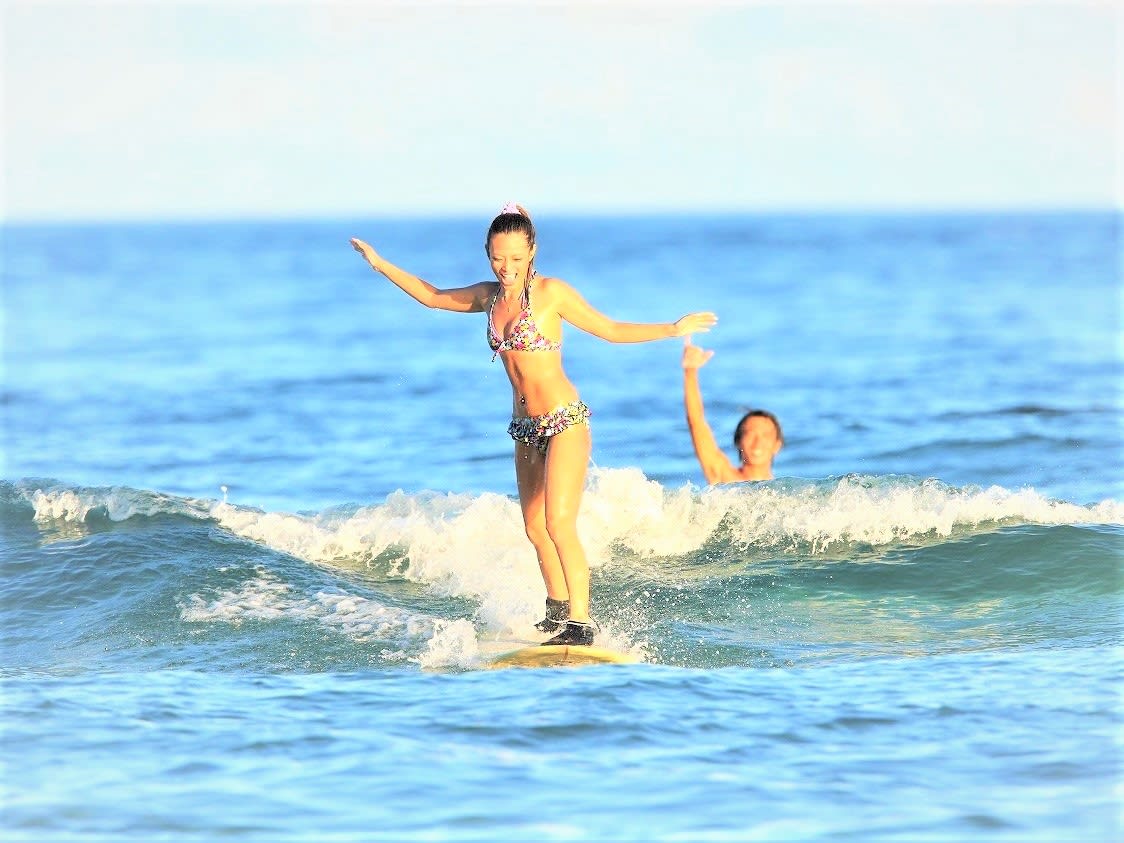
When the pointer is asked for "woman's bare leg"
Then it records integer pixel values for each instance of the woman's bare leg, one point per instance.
(530, 476)
(567, 459)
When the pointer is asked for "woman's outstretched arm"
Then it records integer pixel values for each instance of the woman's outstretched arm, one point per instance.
(471, 299)
(578, 312)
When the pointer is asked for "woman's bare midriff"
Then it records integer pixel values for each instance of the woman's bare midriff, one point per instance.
(538, 384)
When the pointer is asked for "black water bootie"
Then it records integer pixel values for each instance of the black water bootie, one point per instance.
(574, 633)
(557, 612)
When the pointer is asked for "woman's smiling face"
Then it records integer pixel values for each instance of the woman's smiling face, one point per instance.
(510, 255)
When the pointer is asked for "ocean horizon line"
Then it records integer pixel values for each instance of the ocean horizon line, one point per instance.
(623, 213)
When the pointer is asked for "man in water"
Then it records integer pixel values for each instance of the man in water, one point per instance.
(758, 436)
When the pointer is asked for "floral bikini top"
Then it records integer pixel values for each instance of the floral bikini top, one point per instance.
(525, 335)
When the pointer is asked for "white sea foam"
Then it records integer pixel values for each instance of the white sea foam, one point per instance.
(453, 644)
(116, 504)
(265, 597)
(882, 511)
(458, 544)
(474, 545)
(465, 544)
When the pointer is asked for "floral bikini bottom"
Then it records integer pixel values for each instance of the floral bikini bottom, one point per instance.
(537, 430)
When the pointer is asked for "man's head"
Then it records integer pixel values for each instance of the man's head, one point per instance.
(758, 438)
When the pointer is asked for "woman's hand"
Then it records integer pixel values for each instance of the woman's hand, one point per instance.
(369, 254)
(694, 323)
(694, 357)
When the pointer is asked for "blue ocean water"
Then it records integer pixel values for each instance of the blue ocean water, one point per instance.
(260, 537)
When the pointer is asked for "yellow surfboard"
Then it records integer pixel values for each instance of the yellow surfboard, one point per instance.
(561, 655)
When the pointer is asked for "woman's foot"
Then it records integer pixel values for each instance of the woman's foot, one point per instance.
(574, 633)
(557, 613)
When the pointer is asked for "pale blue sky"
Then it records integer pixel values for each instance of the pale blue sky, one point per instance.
(141, 109)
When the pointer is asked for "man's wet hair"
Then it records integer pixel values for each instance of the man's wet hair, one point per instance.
(764, 414)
